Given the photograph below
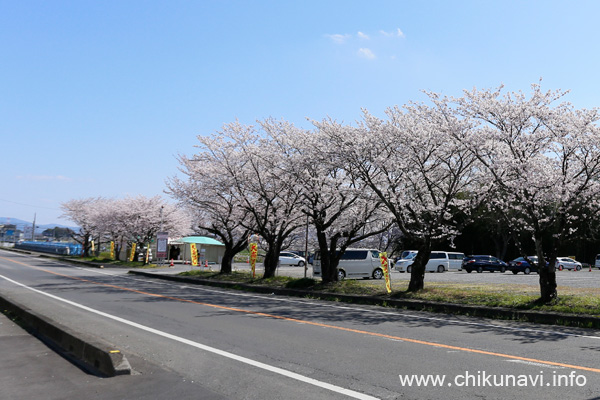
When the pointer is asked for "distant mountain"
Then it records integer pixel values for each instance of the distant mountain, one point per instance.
(38, 229)
(14, 221)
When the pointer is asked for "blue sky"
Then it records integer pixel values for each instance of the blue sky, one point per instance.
(97, 98)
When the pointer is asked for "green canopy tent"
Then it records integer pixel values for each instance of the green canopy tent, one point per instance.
(209, 249)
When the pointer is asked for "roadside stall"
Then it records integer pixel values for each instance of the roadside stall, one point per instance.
(209, 250)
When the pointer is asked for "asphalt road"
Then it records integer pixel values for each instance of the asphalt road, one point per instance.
(202, 340)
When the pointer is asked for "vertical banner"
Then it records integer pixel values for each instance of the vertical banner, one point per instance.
(93, 247)
(253, 256)
(147, 253)
(194, 252)
(132, 255)
(253, 244)
(385, 266)
(112, 250)
(162, 241)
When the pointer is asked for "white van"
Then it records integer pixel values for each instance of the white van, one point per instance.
(439, 261)
(597, 263)
(354, 263)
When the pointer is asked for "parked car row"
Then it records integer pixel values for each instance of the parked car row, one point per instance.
(365, 263)
(521, 264)
(440, 261)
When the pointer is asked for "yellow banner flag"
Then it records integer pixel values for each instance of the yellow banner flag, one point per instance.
(132, 255)
(385, 266)
(112, 250)
(194, 251)
(253, 257)
(147, 253)
(93, 247)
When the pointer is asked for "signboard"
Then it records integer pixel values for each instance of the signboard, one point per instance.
(162, 238)
(253, 256)
(202, 256)
(385, 266)
(194, 251)
(132, 254)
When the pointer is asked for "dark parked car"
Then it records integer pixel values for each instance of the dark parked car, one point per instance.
(483, 263)
(523, 265)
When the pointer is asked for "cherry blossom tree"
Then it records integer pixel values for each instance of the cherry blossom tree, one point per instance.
(110, 214)
(544, 161)
(132, 219)
(86, 214)
(341, 209)
(416, 168)
(207, 193)
(244, 166)
(143, 217)
(271, 198)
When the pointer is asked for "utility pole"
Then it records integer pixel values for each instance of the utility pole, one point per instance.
(33, 228)
(160, 260)
(306, 248)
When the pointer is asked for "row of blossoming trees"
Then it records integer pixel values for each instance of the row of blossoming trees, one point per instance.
(532, 159)
(124, 221)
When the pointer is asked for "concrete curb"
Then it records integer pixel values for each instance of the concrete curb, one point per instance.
(585, 321)
(89, 353)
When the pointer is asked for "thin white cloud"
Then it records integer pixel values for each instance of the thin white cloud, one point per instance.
(366, 53)
(343, 38)
(380, 41)
(396, 33)
(44, 178)
(338, 38)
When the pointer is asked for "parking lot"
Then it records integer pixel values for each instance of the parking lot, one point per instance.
(578, 279)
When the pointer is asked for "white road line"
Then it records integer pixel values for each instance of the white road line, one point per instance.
(535, 364)
(257, 364)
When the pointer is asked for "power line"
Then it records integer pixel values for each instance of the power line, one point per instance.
(30, 205)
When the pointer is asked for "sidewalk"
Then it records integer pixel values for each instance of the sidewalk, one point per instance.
(30, 370)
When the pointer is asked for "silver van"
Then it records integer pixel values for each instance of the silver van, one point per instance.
(439, 261)
(354, 264)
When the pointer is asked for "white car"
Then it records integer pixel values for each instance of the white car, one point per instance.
(439, 261)
(567, 263)
(403, 263)
(286, 258)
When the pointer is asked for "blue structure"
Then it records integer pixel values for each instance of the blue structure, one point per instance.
(51, 247)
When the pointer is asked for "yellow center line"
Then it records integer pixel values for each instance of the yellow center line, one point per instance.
(340, 328)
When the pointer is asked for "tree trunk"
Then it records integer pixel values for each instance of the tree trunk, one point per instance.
(227, 261)
(232, 247)
(417, 274)
(328, 269)
(118, 248)
(547, 273)
(332, 261)
(271, 260)
(327, 273)
(501, 241)
(86, 246)
(548, 290)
